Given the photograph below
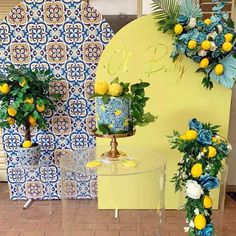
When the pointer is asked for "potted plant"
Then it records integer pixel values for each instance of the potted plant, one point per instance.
(25, 98)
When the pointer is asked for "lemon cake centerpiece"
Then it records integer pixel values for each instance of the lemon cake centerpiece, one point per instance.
(25, 98)
(120, 107)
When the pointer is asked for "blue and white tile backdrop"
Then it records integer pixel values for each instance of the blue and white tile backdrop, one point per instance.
(67, 36)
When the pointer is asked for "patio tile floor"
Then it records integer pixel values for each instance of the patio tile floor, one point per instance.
(82, 218)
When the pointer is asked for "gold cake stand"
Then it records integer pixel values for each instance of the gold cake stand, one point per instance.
(113, 154)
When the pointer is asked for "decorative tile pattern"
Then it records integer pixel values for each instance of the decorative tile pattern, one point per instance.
(115, 113)
(67, 36)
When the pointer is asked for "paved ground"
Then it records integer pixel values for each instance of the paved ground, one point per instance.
(81, 218)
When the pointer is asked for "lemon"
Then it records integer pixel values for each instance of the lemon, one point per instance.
(215, 140)
(191, 135)
(11, 121)
(115, 90)
(200, 222)
(23, 83)
(192, 44)
(211, 152)
(178, 29)
(207, 202)
(227, 46)
(118, 112)
(40, 108)
(29, 100)
(27, 144)
(219, 69)
(11, 111)
(126, 123)
(110, 126)
(5, 88)
(93, 164)
(32, 120)
(206, 45)
(204, 63)
(196, 170)
(129, 163)
(207, 21)
(228, 37)
(101, 87)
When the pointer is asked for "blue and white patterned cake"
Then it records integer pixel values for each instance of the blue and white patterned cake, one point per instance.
(114, 114)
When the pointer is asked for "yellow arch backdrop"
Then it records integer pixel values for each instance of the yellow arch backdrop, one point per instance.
(140, 51)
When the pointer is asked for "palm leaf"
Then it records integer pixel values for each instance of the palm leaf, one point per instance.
(190, 8)
(166, 13)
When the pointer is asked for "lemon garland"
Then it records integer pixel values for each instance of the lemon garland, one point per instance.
(210, 42)
(203, 153)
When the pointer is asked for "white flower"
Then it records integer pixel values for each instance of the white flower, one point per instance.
(192, 22)
(229, 147)
(184, 175)
(213, 47)
(186, 229)
(193, 189)
(191, 224)
(202, 53)
(196, 211)
(220, 28)
(212, 35)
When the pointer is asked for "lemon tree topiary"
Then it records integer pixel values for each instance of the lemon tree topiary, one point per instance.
(25, 98)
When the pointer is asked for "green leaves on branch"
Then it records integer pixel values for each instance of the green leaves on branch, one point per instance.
(29, 95)
(166, 13)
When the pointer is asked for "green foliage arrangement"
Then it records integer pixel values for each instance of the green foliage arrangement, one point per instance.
(25, 97)
(166, 13)
(203, 154)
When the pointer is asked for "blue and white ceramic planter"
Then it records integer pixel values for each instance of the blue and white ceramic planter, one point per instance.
(116, 114)
(29, 156)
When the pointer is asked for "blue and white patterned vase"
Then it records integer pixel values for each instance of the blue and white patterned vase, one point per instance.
(116, 114)
(29, 156)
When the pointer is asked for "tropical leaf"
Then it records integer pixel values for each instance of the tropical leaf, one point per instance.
(190, 8)
(166, 13)
(228, 78)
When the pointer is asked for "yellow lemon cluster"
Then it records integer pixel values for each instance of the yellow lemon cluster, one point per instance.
(178, 29)
(206, 45)
(27, 144)
(200, 221)
(102, 88)
(5, 88)
(189, 135)
(192, 44)
(196, 170)
(227, 46)
(219, 69)
(204, 63)
(207, 202)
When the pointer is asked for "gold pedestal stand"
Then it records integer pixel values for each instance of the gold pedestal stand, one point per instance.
(113, 154)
